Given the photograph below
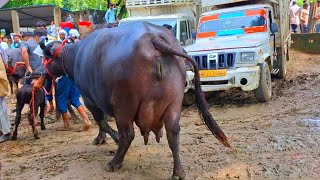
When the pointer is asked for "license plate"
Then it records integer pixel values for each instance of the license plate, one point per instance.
(213, 73)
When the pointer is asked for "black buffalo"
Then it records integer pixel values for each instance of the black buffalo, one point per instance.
(135, 73)
(14, 75)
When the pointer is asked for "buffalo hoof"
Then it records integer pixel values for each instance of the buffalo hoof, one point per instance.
(177, 178)
(111, 167)
(43, 127)
(179, 174)
(98, 141)
(36, 137)
(14, 138)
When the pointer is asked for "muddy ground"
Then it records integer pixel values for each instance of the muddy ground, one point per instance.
(275, 140)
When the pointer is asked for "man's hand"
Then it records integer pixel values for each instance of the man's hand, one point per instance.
(38, 83)
(29, 69)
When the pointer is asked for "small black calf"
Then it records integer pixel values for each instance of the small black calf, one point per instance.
(24, 96)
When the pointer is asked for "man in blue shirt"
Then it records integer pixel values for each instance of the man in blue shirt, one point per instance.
(110, 16)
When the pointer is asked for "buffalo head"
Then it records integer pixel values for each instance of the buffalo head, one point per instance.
(55, 67)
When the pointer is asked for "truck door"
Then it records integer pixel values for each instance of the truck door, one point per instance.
(184, 33)
(272, 39)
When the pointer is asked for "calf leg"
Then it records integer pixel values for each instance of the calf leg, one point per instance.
(42, 108)
(171, 119)
(126, 136)
(104, 127)
(19, 107)
(12, 99)
(32, 119)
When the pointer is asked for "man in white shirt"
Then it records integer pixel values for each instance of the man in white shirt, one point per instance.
(317, 17)
(295, 17)
(4, 45)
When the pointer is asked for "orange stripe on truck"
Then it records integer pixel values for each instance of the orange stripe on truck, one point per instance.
(206, 34)
(255, 12)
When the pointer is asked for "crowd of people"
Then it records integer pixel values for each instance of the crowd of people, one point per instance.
(299, 17)
(32, 59)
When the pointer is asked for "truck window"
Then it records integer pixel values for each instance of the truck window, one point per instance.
(183, 31)
(241, 22)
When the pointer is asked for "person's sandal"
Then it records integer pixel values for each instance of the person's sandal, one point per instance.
(5, 137)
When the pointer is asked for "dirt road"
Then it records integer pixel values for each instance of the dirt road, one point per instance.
(275, 140)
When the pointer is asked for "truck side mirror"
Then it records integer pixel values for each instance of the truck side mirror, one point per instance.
(194, 35)
(274, 28)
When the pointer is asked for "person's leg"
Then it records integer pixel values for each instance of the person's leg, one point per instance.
(63, 89)
(5, 122)
(305, 28)
(318, 28)
(49, 97)
(74, 98)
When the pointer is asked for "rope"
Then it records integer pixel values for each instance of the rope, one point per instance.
(12, 70)
(31, 104)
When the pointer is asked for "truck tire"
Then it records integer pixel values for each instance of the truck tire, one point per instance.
(281, 64)
(264, 91)
(189, 98)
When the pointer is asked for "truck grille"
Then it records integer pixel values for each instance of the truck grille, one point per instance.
(224, 61)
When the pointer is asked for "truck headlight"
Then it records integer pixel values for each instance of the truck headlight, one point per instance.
(247, 57)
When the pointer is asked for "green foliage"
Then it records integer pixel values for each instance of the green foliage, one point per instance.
(74, 5)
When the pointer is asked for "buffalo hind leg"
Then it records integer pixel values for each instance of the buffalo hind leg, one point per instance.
(104, 127)
(19, 107)
(171, 120)
(126, 136)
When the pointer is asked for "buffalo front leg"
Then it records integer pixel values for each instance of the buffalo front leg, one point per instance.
(104, 127)
(171, 120)
(126, 136)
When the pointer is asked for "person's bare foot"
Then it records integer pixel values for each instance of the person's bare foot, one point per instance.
(51, 107)
(86, 127)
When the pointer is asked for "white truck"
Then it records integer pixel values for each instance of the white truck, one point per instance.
(239, 45)
(180, 23)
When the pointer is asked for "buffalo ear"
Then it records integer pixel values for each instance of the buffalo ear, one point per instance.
(42, 45)
(44, 48)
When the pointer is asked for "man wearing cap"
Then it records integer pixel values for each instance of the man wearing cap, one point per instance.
(62, 34)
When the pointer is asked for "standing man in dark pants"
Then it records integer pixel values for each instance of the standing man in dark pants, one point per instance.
(41, 25)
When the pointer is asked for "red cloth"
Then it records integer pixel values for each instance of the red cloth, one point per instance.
(85, 23)
(66, 25)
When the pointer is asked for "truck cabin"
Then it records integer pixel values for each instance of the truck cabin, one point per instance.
(236, 21)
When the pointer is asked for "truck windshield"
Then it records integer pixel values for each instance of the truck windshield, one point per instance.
(159, 22)
(224, 25)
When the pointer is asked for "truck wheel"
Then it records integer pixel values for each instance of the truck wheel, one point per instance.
(281, 64)
(189, 98)
(264, 91)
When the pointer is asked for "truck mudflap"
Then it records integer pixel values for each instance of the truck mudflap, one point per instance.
(246, 78)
